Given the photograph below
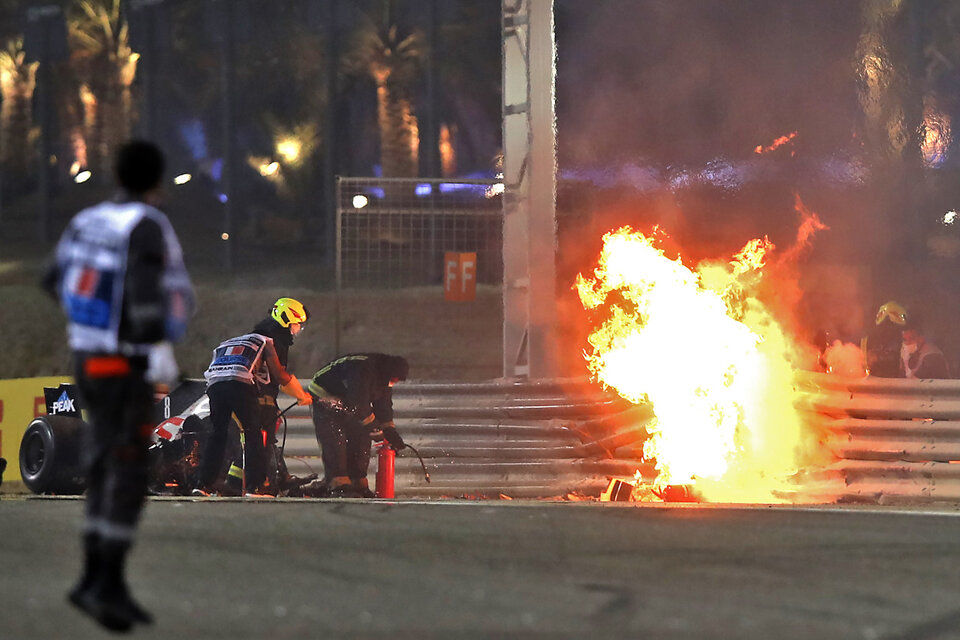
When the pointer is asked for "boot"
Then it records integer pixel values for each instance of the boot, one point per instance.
(292, 482)
(340, 487)
(361, 487)
(108, 599)
(315, 489)
(91, 567)
(114, 583)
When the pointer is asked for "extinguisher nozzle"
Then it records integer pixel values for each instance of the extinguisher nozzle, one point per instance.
(426, 474)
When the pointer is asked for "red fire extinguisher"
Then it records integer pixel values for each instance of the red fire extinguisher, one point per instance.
(386, 457)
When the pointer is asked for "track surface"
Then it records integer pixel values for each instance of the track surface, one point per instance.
(311, 569)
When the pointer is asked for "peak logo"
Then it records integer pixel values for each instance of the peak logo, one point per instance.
(63, 404)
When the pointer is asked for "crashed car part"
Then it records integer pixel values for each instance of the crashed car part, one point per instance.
(50, 455)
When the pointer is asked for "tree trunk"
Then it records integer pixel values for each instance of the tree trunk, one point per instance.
(399, 133)
(16, 120)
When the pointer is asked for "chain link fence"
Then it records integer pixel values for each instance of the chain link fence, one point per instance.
(393, 232)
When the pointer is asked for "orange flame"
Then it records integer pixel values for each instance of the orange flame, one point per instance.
(708, 354)
(779, 142)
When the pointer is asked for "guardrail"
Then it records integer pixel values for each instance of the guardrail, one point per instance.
(532, 439)
(895, 440)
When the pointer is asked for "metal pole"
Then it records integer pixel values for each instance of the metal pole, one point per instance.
(339, 270)
(529, 201)
(330, 182)
(227, 113)
(42, 89)
(542, 294)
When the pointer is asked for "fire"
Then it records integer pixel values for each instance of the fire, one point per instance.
(709, 355)
(779, 142)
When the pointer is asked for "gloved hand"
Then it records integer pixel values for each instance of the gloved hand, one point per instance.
(392, 436)
(161, 365)
(293, 388)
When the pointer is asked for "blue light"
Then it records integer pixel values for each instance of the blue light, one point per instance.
(193, 135)
(423, 190)
(222, 198)
(451, 187)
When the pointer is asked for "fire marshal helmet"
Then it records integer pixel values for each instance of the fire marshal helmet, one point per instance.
(892, 311)
(287, 311)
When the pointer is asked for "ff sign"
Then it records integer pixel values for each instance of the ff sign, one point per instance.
(459, 276)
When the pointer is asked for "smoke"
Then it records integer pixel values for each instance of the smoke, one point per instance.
(683, 82)
(844, 359)
(661, 105)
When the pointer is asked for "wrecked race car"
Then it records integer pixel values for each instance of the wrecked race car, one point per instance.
(51, 448)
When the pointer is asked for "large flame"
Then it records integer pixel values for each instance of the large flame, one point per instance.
(707, 353)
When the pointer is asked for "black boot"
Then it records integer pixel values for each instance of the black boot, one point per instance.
(362, 488)
(292, 482)
(91, 567)
(114, 560)
(108, 600)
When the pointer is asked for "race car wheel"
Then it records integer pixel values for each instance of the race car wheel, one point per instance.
(50, 455)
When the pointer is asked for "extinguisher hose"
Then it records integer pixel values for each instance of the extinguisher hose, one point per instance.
(426, 474)
(283, 442)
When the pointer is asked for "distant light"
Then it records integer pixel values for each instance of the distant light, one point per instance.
(224, 236)
(423, 190)
(950, 217)
(289, 149)
(83, 176)
(222, 197)
(467, 187)
(494, 190)
(183, 178)
(360, 201)
(270, 169)
(75, 168)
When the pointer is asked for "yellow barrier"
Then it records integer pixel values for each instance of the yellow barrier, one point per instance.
(21, 401)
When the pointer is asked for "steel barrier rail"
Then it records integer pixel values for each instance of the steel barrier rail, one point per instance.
(896, 440)
(877, 386)
(529, 439)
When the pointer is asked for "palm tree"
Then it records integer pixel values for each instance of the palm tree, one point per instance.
(17, 81)
(391, 57)
(105, 66)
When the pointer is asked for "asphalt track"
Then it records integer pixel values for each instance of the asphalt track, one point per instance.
(498, 569)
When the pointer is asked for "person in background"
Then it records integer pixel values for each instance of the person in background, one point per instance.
(119, 276)
(881, 345)
(353, 405)
(920, 358)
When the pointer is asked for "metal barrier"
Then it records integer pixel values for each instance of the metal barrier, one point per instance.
(517, 439)
(895, 440)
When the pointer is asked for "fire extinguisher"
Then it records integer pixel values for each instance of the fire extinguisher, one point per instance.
(386, 457)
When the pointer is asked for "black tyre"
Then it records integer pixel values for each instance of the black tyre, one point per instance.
(50, 455)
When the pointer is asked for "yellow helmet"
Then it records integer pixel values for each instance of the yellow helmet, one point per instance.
(892, 311)
(287, 311)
